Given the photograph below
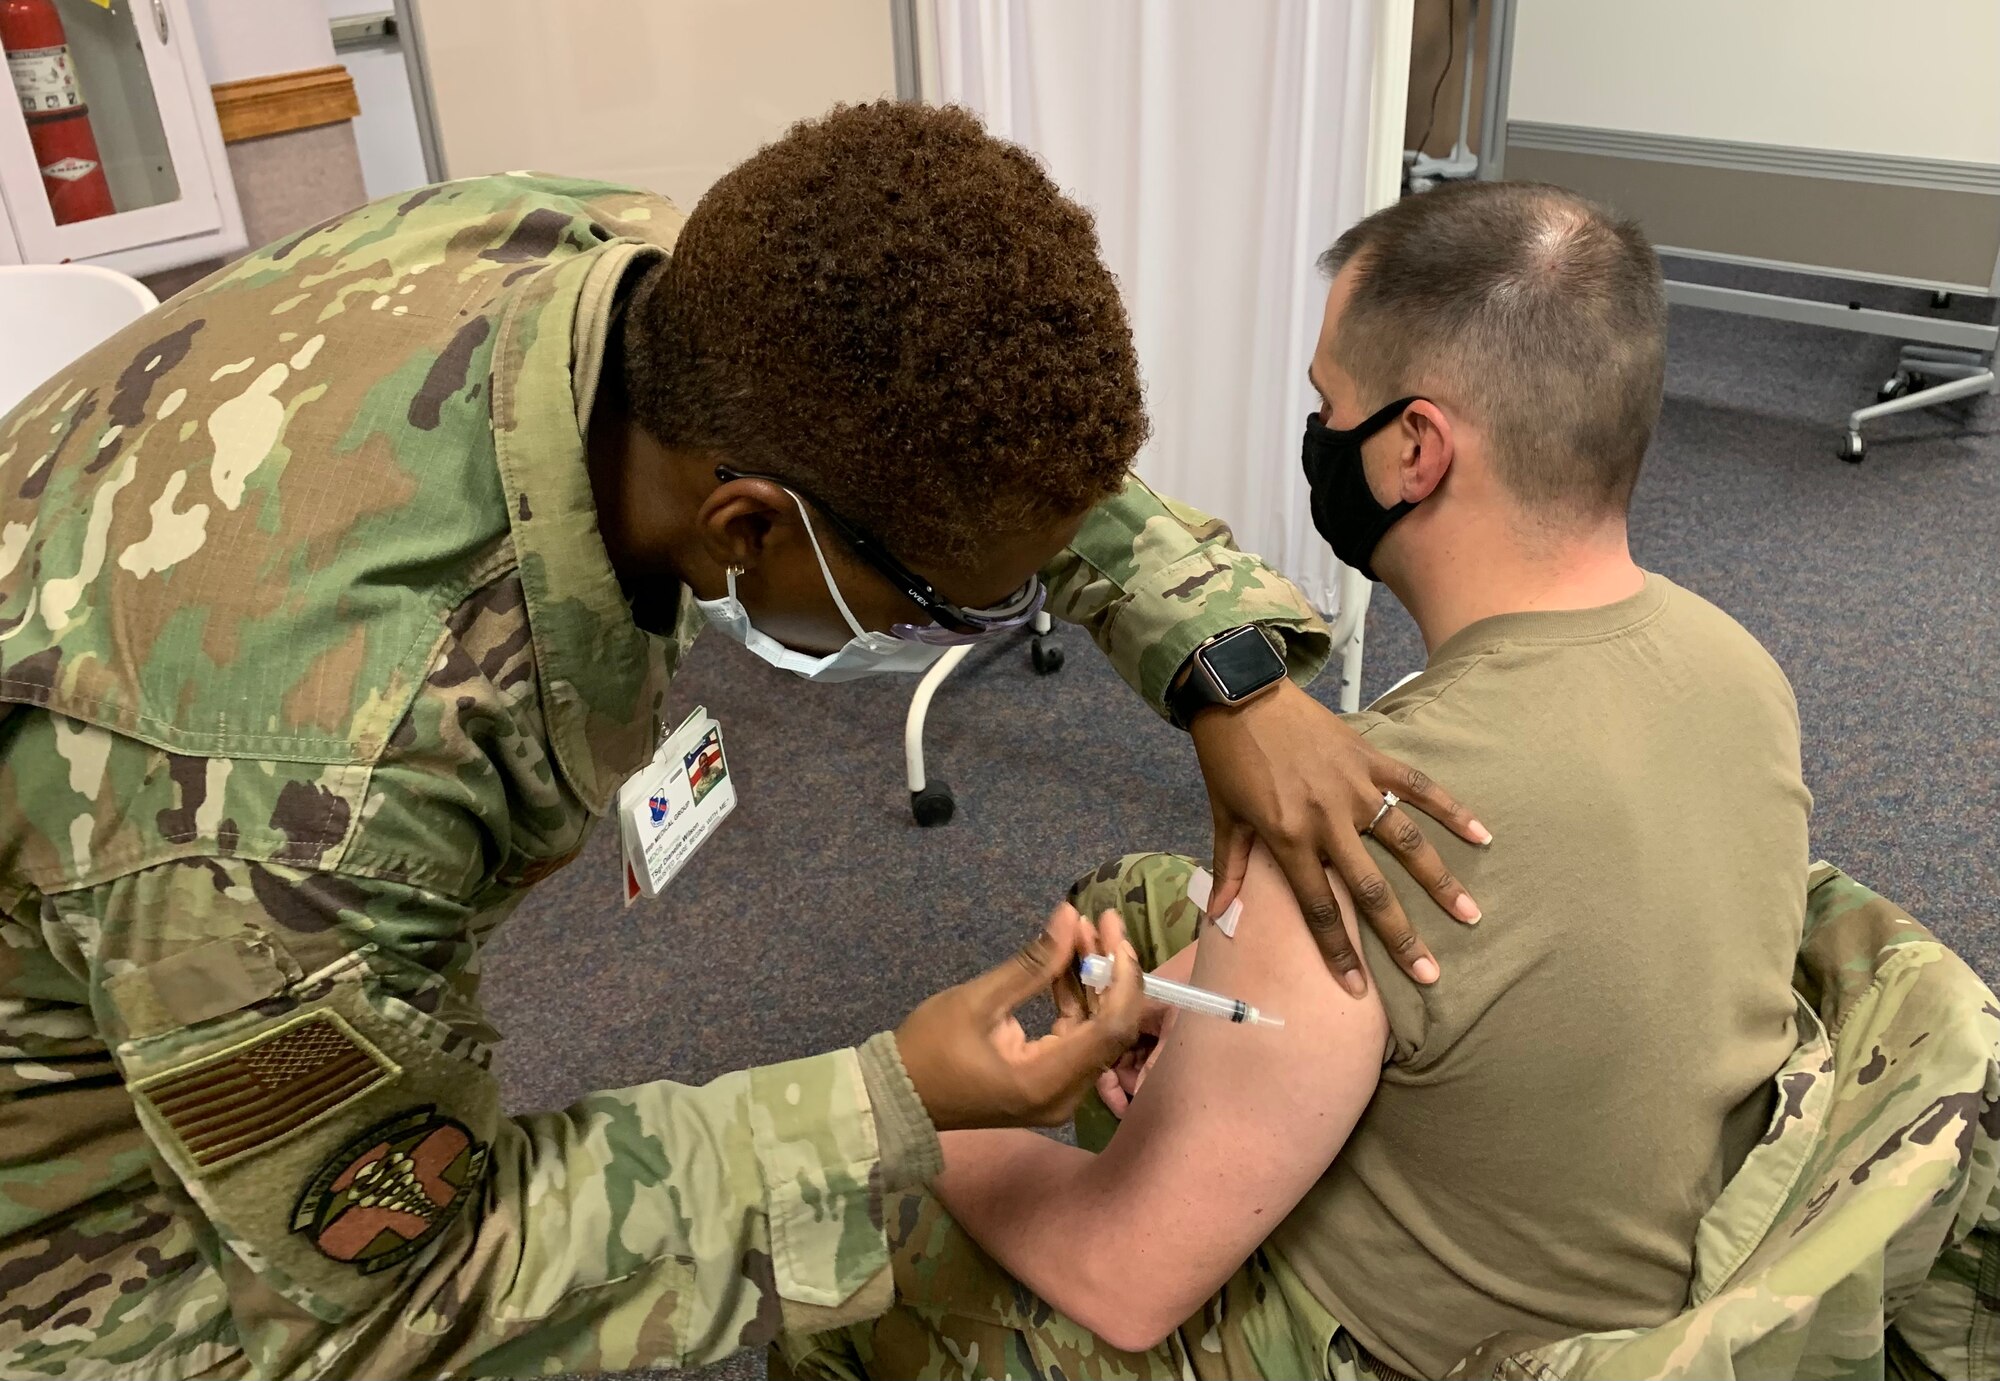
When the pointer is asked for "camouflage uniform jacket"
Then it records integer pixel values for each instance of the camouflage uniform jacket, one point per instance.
(311, 660)
(1861, 1237)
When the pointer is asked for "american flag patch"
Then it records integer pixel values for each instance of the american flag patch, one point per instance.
(266, 1088)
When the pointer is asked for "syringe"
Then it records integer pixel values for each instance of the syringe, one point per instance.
(1095, 971)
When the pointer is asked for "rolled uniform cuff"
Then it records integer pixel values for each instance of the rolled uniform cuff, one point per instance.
(906, 1139)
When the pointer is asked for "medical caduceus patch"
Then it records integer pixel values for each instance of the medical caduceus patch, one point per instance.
(386, 1195)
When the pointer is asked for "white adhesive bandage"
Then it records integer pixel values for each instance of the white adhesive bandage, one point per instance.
(1201, 886)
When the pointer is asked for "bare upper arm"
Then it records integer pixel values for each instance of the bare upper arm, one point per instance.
(1235, 1123)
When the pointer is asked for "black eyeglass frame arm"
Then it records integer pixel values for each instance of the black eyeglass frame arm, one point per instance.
(914, 587)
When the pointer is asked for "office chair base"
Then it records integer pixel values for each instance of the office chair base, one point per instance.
(933, 805)
(930, 802)
(1926, 375)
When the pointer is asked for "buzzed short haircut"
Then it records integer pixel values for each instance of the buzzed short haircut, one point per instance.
(1541, 313)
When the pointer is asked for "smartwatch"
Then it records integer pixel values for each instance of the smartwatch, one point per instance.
(1228, 669)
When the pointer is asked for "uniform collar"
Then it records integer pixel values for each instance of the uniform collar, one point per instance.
(1557, 625)
(603, 678)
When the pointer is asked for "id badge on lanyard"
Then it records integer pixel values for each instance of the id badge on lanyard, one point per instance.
(669, 807)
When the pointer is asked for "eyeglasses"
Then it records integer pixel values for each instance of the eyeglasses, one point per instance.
(950, 624)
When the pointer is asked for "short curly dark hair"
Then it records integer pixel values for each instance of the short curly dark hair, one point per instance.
(903, 314)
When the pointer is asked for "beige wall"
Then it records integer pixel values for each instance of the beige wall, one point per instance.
(662, 94)
(285, 182)
(254, 38)
(1839, 74)
(1864, 76)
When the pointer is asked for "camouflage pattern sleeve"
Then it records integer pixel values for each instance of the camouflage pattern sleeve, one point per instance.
(907, 1139)
(1152, 579)
(1861, 1235)
(368, 1209)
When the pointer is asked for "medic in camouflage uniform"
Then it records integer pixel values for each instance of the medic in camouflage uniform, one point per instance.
(312, 660)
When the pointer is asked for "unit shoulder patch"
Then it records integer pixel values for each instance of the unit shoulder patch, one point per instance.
(387, 1194)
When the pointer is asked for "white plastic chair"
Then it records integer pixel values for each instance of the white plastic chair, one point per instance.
(52, 313)
(1350, 628)
(931, 802)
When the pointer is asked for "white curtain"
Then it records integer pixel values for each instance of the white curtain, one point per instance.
(1222, 144)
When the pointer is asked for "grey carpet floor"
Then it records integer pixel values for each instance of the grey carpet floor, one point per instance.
(820, 913)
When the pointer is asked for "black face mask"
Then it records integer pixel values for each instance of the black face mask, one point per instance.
(1343, 508)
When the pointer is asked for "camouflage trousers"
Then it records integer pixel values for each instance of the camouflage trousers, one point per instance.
(960, 1315)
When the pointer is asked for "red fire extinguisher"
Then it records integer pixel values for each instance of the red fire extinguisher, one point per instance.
(58, 120)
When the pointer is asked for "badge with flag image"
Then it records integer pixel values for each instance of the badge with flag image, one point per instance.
(388, 1193)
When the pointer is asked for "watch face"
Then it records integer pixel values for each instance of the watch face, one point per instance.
(1242, 662)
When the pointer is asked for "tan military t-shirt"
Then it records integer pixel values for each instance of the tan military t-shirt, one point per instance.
(1563, 1106)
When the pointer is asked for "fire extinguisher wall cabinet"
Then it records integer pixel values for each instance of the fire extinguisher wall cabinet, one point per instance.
(109, 148)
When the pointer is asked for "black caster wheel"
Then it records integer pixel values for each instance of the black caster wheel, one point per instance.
(1045, 656)
(1895, 386)
(1853, 450)
(933, 805)
(1940, 299)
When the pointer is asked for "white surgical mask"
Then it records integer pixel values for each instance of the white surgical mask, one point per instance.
(866, 653)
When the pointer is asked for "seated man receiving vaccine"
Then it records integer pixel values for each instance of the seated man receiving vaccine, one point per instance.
(1526, 1147)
